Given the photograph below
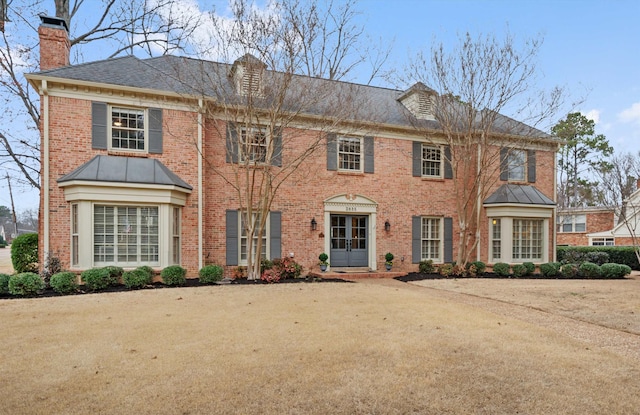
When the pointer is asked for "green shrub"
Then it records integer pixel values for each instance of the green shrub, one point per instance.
(136, 278)
(4, 283)
(589, 270)
(550, 269)
(569, 271)
(530, 266)
(174, 275)
(25, 283)
(617, 254)
(597, 258)
(519, 270)
(481, 267)
(115, 273)
(24, 253)
(265, 264)
(97, 279)
(445, 270)
(148, 270)
(210, 274)
(64, 282)
(426, 267)
(501, 269)
(614, 271)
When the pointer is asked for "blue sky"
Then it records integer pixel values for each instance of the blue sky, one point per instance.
(591, 47)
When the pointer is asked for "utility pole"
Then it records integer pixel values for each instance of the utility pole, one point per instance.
(13, 208)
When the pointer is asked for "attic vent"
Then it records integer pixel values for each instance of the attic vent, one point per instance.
(425, 106)
(250, 82)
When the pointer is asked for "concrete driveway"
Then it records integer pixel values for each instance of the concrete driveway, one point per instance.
(5, 261)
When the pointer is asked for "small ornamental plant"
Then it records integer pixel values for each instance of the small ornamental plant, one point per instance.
(97, 279)
(136, 278)
(210, 274)
(502, 269)
(388, 257)
(63, 282)
(323, 259)
(26, 284)
(174, 275)
(426, 267)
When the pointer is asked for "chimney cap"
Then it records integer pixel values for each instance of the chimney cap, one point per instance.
(53, 21)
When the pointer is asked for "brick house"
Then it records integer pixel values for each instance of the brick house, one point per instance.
(581, 226)
(128, 176)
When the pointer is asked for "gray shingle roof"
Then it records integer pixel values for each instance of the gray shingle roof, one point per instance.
(186, 76)
(125, 170)
(518, 194)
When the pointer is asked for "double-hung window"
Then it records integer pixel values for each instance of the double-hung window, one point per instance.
(431, 161)
(496, 239)
(527, 239)
(516, 165)
(603, 242)
(125, 235)
(431, 239)
(244, 238)
(253, 145)
(128, 129)
(350, 153)
(572, 223)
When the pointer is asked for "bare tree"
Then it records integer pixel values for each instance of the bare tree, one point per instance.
(109, 28)
(473, 85)
(266, 102)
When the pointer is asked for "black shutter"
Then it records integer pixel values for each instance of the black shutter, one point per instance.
(531, 166)
(276, 158)
(232, 235)
(448, 170)
(155, 130)
(368, 154)
(332, 151)
(99, 125)
(232, 142)
(275, 234)
(504, 166)
(417, 159)
(416, 238)
(448, 240)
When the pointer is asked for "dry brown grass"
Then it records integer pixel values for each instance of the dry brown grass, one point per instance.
(296, 349)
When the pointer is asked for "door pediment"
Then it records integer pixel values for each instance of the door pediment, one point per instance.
(350, 203)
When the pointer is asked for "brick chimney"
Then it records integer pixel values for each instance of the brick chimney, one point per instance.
(54, 43)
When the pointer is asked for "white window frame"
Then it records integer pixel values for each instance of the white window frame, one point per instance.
(524, 239)
(243, 240)
(260, 139)
(176, 231)
(517, 165)
(75, 255)
(576, 222)
(426, 161)
(602, 241)
(495, 245)
(427, 224)
(117, 124)
(123, 237)
(351, 157)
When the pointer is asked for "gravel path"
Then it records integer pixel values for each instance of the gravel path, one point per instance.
(594, 335)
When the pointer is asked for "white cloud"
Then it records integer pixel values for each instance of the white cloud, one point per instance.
(631, 114)
(593, 115)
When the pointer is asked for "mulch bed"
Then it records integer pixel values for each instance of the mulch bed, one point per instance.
(191, 282)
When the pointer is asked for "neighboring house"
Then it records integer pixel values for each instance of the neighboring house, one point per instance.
(579, 226)
(621, 233)
(123, 184)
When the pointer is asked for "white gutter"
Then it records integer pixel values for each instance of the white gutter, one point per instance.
(200, 183)
(45, 166)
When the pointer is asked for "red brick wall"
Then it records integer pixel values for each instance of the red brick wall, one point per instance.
(596, 222)
(54, 48)
(70, 147)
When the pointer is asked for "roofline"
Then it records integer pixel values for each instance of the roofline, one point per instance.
(136, 185)
(519, 205)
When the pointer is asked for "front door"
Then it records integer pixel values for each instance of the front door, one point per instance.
(349, 241)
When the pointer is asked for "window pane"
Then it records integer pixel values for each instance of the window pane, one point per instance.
(127, 128)
(527, 239)
(516, 161)
(431, 161)
(349, 153)
(431, 239)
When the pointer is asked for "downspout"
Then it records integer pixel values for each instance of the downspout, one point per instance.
(478, 206)
(45, 166)
(555, 207)
(200, 183)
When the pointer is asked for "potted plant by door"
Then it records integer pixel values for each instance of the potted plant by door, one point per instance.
(389, 260)
(323, 261)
